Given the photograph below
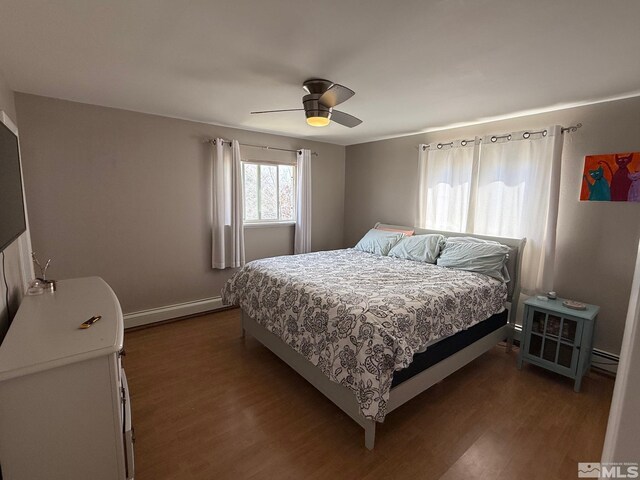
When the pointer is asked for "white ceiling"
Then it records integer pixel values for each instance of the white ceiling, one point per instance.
(414, 64)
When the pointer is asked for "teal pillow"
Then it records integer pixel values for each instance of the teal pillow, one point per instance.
(475, 255)
(419, 248)
(378, 241)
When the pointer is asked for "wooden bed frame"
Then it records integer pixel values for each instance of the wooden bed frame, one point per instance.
(345, 398)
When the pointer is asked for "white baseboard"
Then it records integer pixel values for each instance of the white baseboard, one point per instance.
(154, 315)
(599, 358)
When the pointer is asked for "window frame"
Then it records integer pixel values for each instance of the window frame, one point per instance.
(260, 222)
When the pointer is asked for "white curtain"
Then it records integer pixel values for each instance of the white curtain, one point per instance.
(226, 205)
(517, 196)
(302, 243)
(444, 185)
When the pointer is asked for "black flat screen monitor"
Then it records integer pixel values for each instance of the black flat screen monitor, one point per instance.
(12, 221)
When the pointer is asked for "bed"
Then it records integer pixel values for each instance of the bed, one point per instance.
(369, 331)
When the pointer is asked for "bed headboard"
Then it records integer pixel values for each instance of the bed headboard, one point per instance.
(514, 264)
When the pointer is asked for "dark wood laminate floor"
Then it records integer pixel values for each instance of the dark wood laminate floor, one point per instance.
(209, 405)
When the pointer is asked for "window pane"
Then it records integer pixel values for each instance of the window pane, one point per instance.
(538, 322)
(287, 195)
(250, 192)
(553, 326)
(565, 356)
(549, 352)
(569, 330)
(268, 192)
(535, 345)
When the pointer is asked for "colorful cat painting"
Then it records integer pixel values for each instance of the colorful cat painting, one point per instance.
(620, 181)
(634, 190)
(598, 190)
(613, 177)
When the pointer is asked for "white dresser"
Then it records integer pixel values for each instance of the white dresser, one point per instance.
(64, 402)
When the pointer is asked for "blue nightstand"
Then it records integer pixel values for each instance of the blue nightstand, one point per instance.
(558, 338)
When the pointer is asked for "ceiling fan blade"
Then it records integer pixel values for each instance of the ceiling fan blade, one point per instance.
(278, 111)
(335, 95)
(345, 119)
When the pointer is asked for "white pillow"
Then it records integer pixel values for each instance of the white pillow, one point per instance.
(419, 248)
(378, 241)
(476, 255)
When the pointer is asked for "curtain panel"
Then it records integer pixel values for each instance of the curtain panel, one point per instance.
(518, 195)
(227, 207)
(445, 184)
(505, 186)
(302, 242)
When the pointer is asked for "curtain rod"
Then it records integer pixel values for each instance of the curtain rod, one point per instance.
(212, 141)
(527, 134)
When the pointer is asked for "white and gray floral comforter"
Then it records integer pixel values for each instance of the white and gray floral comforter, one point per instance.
(359, 317)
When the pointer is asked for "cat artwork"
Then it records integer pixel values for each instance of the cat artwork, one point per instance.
(620, 181)
(613, 177)
(634, 189)
(599, 190)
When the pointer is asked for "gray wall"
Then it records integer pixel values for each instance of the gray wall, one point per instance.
(11, 252)
(124, 195)
(596, 241)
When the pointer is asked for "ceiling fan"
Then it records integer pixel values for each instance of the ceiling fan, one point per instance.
(318, 103)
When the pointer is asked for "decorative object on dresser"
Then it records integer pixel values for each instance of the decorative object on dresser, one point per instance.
(64, 401)
(41, 281)
(558, 338)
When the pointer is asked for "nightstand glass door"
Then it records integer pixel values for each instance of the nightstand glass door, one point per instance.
(554, 340)
(568, 342)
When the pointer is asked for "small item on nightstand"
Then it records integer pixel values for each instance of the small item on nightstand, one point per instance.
(574, 305)
(552, 295)
(91, 321)
(542, 298)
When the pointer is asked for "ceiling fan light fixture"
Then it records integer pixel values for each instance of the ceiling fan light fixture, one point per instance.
(318, 103)
(317, 115)
(318, 121)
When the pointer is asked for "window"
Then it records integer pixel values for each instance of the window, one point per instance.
(511, 187)
(269, 192)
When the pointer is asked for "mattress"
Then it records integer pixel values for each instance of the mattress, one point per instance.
(360, 317)
(444, 348)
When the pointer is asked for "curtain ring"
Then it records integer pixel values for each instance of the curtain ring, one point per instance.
(526, 135)
(463, 143)
(439, 146)
(494, 139)
(544, 133)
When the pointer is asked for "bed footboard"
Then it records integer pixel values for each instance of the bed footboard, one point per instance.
(345, 399)
(338, 394)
